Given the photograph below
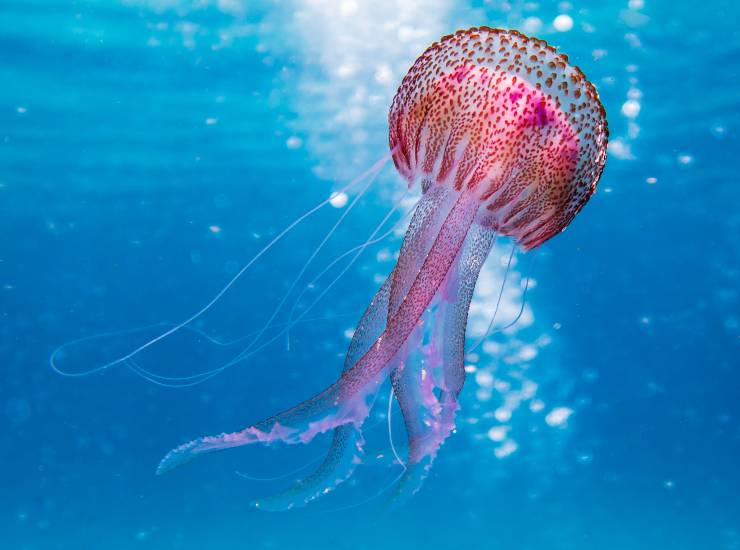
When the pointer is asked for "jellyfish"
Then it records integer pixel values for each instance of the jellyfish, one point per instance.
(503, 137)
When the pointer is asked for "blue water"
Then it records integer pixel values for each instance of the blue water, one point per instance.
(151, 147)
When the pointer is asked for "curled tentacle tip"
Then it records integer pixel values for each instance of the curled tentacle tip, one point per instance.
(165, 465)
(176, 457)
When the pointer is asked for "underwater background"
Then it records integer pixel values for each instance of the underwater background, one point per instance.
(150, 148)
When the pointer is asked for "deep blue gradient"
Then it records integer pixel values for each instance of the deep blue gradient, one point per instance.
(149, 148)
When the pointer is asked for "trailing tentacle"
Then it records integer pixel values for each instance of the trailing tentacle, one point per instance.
(346, 449)
(348, 400)
(430, 378)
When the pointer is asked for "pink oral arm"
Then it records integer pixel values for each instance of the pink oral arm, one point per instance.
(347, 400)
(430, 214)
(430, 419)
(346, 449)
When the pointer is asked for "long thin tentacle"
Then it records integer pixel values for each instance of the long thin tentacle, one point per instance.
(372, 171)
(428, 216)
(205, 375)
(308, 262)
(198, 378)
(358, 250)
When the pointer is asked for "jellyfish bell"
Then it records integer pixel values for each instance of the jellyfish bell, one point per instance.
(506, 119)
(504, 137)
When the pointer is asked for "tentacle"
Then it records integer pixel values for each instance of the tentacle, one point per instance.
(173, 328)
(300, 424)
(458, 293)
(417, 471)
(430, 213)
(489, 330)
(414, 388)
(346, 450)
(357, 251)
(308, 262)
(344, 455)
(425, 286)
(347, 401)
(430, 216)
(430, 379)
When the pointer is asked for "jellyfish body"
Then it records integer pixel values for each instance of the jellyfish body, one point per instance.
(504, 137)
